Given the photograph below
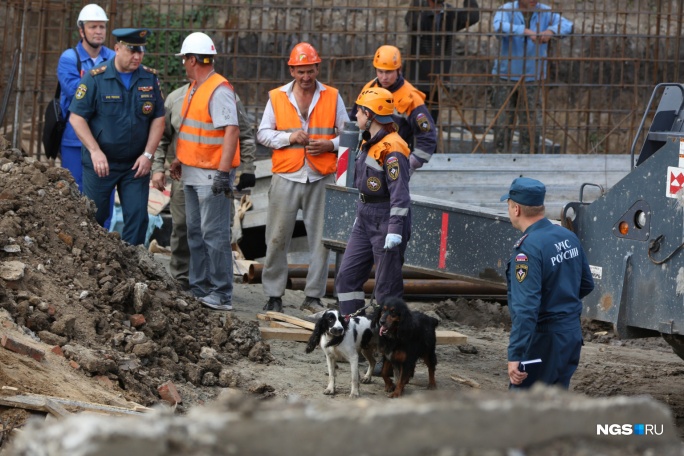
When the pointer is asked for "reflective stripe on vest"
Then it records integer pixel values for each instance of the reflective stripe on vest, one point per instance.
(200, 144)
(321, 126)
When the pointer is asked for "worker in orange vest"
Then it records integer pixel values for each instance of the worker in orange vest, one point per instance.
(207, 154)
(301, 123)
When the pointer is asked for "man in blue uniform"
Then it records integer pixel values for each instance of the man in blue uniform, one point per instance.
(548, 275)
(382, 227)
(89, 53)
(414, 122)
(118, 114)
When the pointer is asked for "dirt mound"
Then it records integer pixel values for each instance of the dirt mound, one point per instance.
(475, 313)
(109, 306)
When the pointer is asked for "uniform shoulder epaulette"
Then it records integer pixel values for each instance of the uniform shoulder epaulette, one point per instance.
(150, 70)
(98, 70)
(520, 241)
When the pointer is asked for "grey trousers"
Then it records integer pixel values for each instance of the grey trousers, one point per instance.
(285, 198)
(180, 253)
(523, 107)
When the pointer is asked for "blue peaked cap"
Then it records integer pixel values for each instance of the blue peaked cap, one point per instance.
(526, 191)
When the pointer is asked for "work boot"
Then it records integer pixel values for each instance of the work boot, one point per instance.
(274, 304)
(313, 305)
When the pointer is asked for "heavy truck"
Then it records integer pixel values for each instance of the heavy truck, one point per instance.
(633, 233)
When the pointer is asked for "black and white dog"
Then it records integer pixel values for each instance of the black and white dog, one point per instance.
(344, 339)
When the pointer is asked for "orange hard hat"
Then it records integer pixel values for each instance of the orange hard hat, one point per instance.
(380, 101)
(387, 58)
(303, 54)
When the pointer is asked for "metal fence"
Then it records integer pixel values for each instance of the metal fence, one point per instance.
(599, 78)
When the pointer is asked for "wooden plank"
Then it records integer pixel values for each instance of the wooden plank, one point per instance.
(263, 317)
(38, 402)
(56, 409)
(290, 319)
(299, 334)
(282, 324)
(465, 381)
(25, 402)
(451, 338)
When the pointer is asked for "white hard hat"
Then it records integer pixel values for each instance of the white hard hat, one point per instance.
(91, 12)
(197, 43)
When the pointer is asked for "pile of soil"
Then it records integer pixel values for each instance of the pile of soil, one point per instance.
(109, 306)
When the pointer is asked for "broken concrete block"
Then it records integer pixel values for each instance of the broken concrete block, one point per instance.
(140, 297)
(12, 270)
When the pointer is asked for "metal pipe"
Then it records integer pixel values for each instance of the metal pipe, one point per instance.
(441, 287)
(300, 271)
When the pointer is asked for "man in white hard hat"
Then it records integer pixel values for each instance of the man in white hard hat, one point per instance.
(74, 63)
(207, 154)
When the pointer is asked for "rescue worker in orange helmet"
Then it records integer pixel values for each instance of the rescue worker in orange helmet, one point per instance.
(382, 227)
(301, 123)
(414, 122)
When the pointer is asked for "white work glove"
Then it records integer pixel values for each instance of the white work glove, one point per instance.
(414, 164)
(392, 240)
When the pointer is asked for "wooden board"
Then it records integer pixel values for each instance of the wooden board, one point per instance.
(303, 335)
(282, 324)
(465, 381)
(263, 317)
(290, 319)
(299, 334)
(36, 403)
(451, 338)
(56, 405)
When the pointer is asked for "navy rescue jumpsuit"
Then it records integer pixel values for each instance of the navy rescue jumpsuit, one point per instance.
(548, 275)
(382, 177)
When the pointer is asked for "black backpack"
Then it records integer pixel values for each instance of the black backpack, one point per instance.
(55, 121)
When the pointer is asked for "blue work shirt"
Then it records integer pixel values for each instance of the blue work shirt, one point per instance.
(548, 275)
(119, 118)
(520, 56)
(69, 77)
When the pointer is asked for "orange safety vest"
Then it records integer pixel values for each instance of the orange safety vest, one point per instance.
(406, 99)
(199, 143)
(390, 143)
(321, 126)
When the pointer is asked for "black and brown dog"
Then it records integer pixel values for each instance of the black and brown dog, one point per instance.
(405, 336)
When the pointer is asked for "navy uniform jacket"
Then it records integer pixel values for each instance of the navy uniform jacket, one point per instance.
(119, 119)
(548, 275)
(386, 176)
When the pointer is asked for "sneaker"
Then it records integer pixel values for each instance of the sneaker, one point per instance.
(214, 303)
(274, 304)
(312, 304)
